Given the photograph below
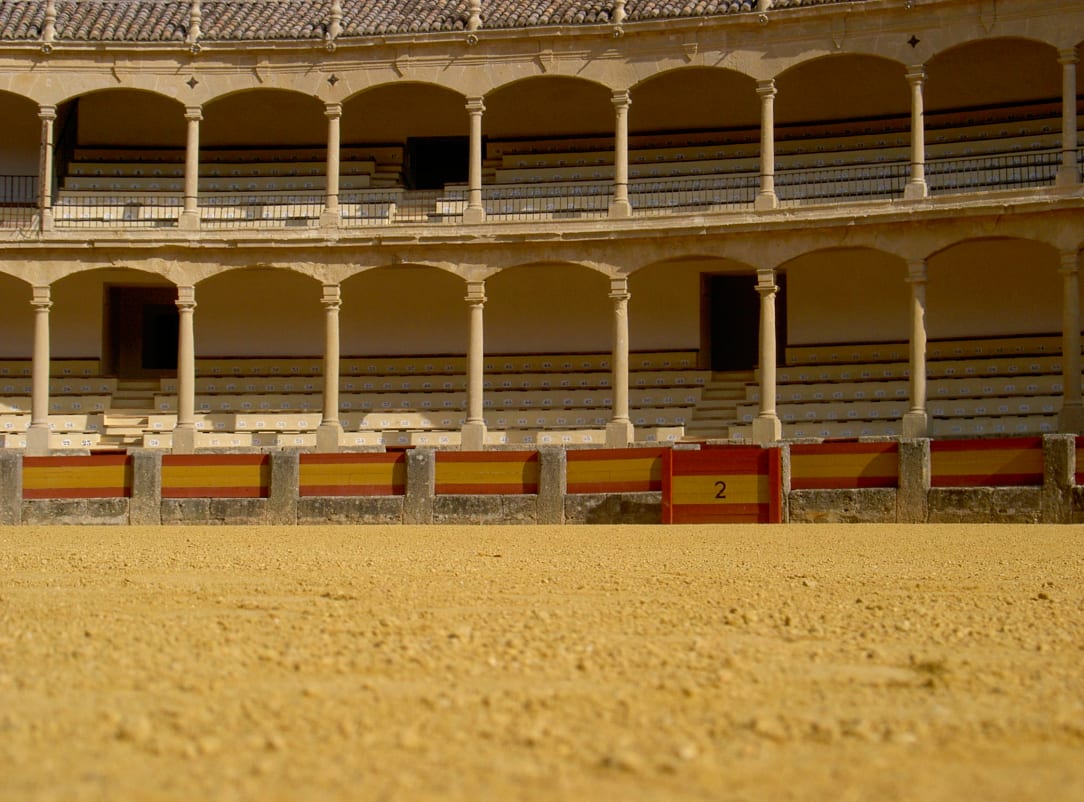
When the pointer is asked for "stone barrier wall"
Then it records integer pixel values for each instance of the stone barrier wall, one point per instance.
(906, 481)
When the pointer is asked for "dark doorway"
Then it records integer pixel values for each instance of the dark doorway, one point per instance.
(731, 321)
(432, 162)
(142, 331)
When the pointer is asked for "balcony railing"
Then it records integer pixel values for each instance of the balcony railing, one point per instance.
(694, 194)
(260, 211)
(528, 202)
(390, 206)
(87, 210)
(853, 182)
(18, 201)
(1021, 170)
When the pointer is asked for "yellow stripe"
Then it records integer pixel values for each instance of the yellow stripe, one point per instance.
(363, 473)
(484, 473)
(615, 470)
(820, 466)
(212, 476)
(740, 489)
(73, 476)
(982, 461)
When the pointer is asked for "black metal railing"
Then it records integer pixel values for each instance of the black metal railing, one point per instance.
(117, 211)
(390, 206)
(694, 194)
(260, 210)
(1020, 170)
(528, 202)
(851, 182)
(18, 190)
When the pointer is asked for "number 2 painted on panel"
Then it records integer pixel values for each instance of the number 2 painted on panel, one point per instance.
(720, 489)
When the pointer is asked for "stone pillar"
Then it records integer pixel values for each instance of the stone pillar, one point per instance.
(330, 216)
(766, 198)
(916, 421)
(1071, 418)
(11, 488)
(766, 425)
(916, 187)
(37, 437)
(145, 505)
(620, 206)
(47, 115)
(1059, 477)
(1069, 172)
(473, 434)
(619, 431)
(475, 212)
(284, 491)
(184, 435)
(421, 486)
(327, 436)
(552, 485)
(912, 498)
(190, 216)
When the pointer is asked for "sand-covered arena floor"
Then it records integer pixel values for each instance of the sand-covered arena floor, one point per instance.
(528, 663)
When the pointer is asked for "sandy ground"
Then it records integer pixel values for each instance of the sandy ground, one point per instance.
(582, 663)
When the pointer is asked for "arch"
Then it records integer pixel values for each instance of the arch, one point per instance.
(19, 149)
(244, 118)
(692, 98)
(384, 308)
(541, 106)
(810, 90)
(120, 116)
(17, 322)
(259, 311)
(992, 72)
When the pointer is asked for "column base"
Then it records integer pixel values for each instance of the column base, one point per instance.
(37, 440)
(767, 429)
(189, 221)
(473, 215)
(916, 190)
(1068, 176)
(620, 434)
(620, 210)
(327, 437)
(915, 425)
(472, 437)
(46, 219)
(330, 218)
(1071, 419)
(184, 439)
(765, 201)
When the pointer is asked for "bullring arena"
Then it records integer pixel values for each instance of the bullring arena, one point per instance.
(327, 281)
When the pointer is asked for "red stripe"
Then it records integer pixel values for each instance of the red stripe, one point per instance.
(179, 460)
(77, 492)
(93, 461)
(987, 480)
(214, 492)
(505, 489)
(721, 513)
(843, 448)
(630, 486)
(594, 455)
(842, 482)
(352, 490)
(1003, 444)
(352, 459)
(483, 457)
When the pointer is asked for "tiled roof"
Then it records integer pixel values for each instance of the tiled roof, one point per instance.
(255, 20)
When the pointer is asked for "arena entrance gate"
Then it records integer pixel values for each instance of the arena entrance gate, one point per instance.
(141, 333)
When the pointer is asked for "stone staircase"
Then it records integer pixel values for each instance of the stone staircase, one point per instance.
(128, 417)
(718, 407)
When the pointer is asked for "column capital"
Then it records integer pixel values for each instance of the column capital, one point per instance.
(1068, 55)
(333, 111)
(42, 297)
(47, 112)
(1070, 262)
(916, 74)
(621, 98)
(766, 281)
(916, 271)
(193, 113)
(476, 293)
(186, 298)
(332, 296)
(766, 88)
(475, 105)
(619, 288)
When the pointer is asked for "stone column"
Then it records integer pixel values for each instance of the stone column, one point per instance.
(37, 436)
(766, 425)
(330, 216)
(1071, 419)
(184, 435)
(915, 421)
(1069, 172)
(327, 436)
(47, 115)
(619, 431)
(766, 198)
(620, 207)
(473, 434)
(190, 216)
(916, 187)
(475, 212)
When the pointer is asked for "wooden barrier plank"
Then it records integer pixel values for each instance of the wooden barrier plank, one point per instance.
(632, 470)
(486, 473)
(986, 463)
(1079, 461)
(94, 476)
(353, 474)
(834, 466)
(216, 475)
(739, 484)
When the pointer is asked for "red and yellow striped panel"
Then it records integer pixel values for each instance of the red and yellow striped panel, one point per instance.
(986, 463)
(1079, 461)
(740, 484)
(95, 476)
(487, 473)
(353, 474)
(627, 470)
(833, 466)
(216, 475)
